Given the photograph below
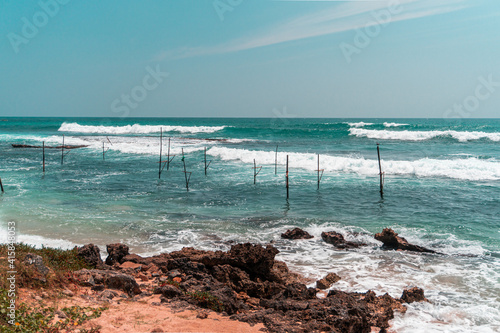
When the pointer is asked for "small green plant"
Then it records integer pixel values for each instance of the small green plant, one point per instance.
(40, 319)
(207, 300)
(60, 262)
(170, 282)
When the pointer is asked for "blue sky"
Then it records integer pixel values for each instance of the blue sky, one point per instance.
(250, 58)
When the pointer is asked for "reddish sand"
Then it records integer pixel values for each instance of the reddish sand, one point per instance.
(141, 316)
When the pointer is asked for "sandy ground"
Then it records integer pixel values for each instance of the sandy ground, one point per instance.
(146, 315)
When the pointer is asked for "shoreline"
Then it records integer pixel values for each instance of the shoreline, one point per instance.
(245, 284)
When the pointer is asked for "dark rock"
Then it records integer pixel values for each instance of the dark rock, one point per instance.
(37, 262)
(414, 294)
(254, 259)
(338, 240)
(168, 291)
(40, 271)
(281, 274)
(327, 281)
(296, 233)
(116, 253)
(137, 259)
(99, 287)
(91, 254)
(84, 277)
(222, 299)
(110, 279)
(108, 294)
(122, 282)
(391, 240)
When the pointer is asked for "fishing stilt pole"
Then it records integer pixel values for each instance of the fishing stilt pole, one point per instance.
(381, 174)
(103, 150)
(320, 176)
(206, 165)
(1, 185)
(255, 172)
(185, 172)
(287, 191)
(43, 156)
(276, 161)
(161, 146)
(62, 152)
(169, 160)
(162, 164)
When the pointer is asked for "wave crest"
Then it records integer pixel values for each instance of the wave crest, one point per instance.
(422, 135)
(464, 169)
(137, 129)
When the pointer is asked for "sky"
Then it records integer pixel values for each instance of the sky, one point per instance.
(250, 58)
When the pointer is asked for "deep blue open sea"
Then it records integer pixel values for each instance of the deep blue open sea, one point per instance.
(442, 191)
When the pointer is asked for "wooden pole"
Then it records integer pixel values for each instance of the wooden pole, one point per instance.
(205, 154)
(276, 161)
(319, 179)
(169, 160)
(255, 172)
(1, 185)
(62, 152)
(381, 174)
(185, 172)
(168, 155)
(287, 192)
(43, 156)
(103, 151)
(161, 146)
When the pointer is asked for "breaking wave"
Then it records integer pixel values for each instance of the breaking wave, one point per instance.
(465, 169)
(137, 129)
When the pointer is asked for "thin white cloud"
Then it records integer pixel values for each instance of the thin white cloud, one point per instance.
(342, 17)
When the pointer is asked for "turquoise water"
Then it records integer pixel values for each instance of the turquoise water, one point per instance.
(442, 191)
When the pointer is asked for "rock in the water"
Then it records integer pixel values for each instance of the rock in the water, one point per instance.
(339, 241)
(91, 254)
(391, 240)
(116, 252)
(414, 294)
(296, 233)
(327, 281)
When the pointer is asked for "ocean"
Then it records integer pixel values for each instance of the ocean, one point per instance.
(441, 191)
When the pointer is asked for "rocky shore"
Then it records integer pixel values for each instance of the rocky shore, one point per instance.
(246, 284)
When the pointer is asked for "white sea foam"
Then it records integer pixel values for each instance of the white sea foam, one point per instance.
(466, 169)
(360, 124)
(386, 124)
(37, 241)
(140, 145)
(422, 135)
(137, 129)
